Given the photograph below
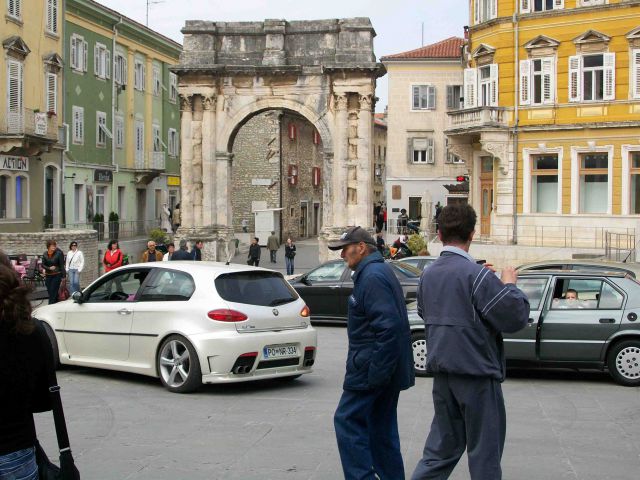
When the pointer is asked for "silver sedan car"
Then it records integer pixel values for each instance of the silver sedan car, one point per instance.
(579, 320)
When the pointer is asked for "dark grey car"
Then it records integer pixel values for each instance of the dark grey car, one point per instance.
(597, 330)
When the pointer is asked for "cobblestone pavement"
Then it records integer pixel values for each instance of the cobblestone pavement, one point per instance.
(561, 425)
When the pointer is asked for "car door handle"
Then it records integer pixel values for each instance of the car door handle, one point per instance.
(334, 286)
(125, 311)
(607, 320)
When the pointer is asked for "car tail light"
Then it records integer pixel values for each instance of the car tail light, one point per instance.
(226, 315)
(305, 312)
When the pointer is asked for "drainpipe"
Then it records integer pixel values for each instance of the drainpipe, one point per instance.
(114, 93)
(61, 111)
(516, 70)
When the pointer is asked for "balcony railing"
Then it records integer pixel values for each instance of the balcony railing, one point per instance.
(157, 160)
(30, 122)
(476, 118)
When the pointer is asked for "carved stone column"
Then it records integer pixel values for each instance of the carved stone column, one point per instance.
(327, 190)
(186, 159)
(223, 188)
(340, 148)
(209, 203)
(364, 216)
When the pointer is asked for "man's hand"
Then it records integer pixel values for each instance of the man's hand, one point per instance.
(509, 275)
(489, 266)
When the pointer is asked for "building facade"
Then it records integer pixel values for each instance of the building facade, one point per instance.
(30, 105)
(549, 125)
(423, 85)
(379, 158)
(122, 112)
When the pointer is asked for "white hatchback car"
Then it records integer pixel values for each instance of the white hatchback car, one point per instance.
(186, 322)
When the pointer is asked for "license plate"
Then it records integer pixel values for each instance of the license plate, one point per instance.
(280, 351)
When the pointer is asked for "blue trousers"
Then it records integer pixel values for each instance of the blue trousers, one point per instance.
(289, 263)
(74, 280)
(367, 432)
(19, 465)
(469, 413)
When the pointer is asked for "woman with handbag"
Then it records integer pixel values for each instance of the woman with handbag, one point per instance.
(289, 254)
(74, 264)
(24, 378)
(53, 264)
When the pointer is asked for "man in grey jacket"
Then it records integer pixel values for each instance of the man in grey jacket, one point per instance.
(465, 308)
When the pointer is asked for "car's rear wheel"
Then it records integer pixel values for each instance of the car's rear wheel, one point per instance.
(178, 365)
(623, 362)
(419, 347)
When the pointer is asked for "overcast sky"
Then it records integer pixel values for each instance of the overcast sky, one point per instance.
(398, 23)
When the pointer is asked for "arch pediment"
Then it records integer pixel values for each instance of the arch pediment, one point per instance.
(482, 50)
(591, 36)
(16, 47)
(541, 41)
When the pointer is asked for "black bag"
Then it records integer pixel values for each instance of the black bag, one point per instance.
(46, 469)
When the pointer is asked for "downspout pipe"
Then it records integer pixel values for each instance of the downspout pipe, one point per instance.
(114, 96)
(514, 132)
(63, 196)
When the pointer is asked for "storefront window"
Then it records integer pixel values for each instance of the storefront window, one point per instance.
(594, 182)
(544, 183)
(635, 183)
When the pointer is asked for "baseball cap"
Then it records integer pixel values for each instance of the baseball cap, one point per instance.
(352, 235)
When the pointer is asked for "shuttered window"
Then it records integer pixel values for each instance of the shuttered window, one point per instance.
(173, 143)
(120, 69)
(484, 10)
(527, 6)
(537, 81)
(78, 53)
(421, 150)
(140, 76)
(157, 81)
(635, 73)
(101, 61)
(470, 87)
(119, 132)
(102, 132)
(14, 8)
(139, 132)
(454, 97)
(78, 125)
(52, 16)
(15, 86)
(52, 92)
(173, 87)
(423, 97)
(592, 77)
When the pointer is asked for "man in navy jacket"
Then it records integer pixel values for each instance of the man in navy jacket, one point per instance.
(379, 364)
(466, 308)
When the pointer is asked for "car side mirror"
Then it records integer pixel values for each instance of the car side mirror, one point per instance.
(77, 297)
(305, 280)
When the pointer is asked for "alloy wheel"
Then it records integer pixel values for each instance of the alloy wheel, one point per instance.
(175, 363)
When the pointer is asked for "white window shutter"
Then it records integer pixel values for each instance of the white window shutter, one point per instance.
(74, 52)
(525, 6)
(14, 96)
(431, 158)
(476, 12)
(52, 92)
(470, 87)
(494, 8)
(525, 82)
(493, 76)
(548, 80)
(575, 79)
(144, 77)
(558, 4)
(415, 97)
(609, 76)
(54, 16)
(96, 60)
(85, 50)
(18, 8)
(107, 63)
(635, 73)
(432, 97)
(124, 70)
(50, 15)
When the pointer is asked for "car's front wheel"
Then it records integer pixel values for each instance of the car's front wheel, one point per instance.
(178, 365)
(623, 362)
(419, 347)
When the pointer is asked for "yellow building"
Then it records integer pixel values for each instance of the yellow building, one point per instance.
(30, 114)
(551, 117)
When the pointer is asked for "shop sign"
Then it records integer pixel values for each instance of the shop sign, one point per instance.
(103, 176)
(9, 162)
(173, 181)
(40, 120)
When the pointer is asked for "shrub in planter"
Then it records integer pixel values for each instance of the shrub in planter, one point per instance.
(114, 225)
(416, 243)
(98, 225)
(158, 236)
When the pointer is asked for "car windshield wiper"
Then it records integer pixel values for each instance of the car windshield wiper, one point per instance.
(280, 301)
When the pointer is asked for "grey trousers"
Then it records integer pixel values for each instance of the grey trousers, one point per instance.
(469, 414)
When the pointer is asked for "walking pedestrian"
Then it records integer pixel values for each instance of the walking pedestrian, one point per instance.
(53, 264)
(403, 219)
(170, 249)
(273, 244)
(380, 242)
(74, 265)
(197, 251)
(112, 257)
(182, 253)
(289, 254)
(175, 218)
(384, 217)
(23, 369)
(380, 218)
(466, 308)
(254, 252)
(438, 212)
(151, 254)
(379, 364)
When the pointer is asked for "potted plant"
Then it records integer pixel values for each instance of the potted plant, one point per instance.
(114, 225)
(98, 225)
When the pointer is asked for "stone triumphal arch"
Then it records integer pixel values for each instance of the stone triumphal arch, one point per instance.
(324, 71)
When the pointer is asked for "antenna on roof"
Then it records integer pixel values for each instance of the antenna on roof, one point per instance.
(421, 41)
(151, 2)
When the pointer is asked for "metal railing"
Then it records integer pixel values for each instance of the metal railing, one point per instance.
(118, 230)
(476, 117)
(620, 247)
(30, 122)
(156, 160)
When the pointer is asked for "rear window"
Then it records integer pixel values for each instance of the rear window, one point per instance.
(266, 289)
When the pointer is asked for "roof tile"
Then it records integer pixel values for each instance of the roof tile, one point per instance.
(449, 48)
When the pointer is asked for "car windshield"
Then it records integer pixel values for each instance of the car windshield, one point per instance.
(266, 289)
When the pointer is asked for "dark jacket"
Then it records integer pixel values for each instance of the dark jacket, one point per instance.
(289, 251)
(25, 388)
(254, 251)
(181, 254)
(197, 254)
(380, 353)
(56, 260)
(466, 308)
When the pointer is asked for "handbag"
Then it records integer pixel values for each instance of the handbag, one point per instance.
(67, 469)
(63, 291)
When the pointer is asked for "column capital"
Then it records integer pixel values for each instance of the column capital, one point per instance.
(340, 101)
(209, 101)
(366, 101)
(186, 102)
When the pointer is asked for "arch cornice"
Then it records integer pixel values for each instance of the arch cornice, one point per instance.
(318, 119)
